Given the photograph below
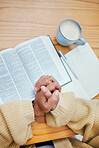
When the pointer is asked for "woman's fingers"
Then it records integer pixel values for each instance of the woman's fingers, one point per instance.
(54, 86)
(48, 81)
(43, 81)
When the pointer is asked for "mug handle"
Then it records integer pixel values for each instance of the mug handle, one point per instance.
(81, 43)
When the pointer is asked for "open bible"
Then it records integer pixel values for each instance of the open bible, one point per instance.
(22, 66)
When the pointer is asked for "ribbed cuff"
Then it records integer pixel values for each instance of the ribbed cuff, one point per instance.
(19, 115)
(64, 111)
(28, 111)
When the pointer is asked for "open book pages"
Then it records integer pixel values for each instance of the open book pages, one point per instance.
(85, 64)
(22, 66)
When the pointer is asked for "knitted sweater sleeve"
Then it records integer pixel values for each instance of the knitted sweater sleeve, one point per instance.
(82, 116)
(15, 122)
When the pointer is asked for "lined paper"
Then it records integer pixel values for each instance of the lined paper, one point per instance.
(85, 64)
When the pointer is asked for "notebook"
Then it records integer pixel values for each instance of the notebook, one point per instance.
(85, 64)
(22, 66)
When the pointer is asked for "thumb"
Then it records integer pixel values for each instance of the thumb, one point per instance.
(55, 94)
(46, 92)
(53, 101)
(56, 97)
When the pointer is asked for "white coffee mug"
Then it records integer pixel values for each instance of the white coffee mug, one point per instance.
(69, 32)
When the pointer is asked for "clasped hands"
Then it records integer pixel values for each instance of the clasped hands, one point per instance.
(47, 95)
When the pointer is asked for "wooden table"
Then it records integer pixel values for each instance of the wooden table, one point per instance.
(21, 20)
(43, 132)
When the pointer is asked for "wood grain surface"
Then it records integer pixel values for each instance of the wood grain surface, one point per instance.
(21, 20)
(43, 132)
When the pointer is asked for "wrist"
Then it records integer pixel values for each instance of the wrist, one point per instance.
(34, 111)
(37, 111)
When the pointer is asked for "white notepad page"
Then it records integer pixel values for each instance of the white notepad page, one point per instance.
(85, 64)
(75, 86)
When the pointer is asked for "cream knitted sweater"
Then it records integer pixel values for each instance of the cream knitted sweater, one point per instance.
(80, 115)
